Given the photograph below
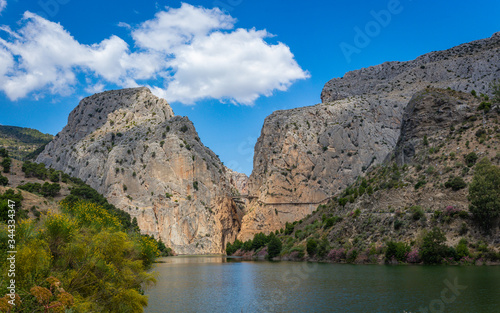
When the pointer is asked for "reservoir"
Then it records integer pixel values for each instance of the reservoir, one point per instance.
(221, 284)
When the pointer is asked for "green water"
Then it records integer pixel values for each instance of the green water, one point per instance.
(217, 284)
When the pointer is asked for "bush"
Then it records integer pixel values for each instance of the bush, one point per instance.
(34, 170)
(289, 228)
(417, 212)
(31, 187)
(351, 255)
(462, 249)
(433, 249)
(232, 248)
(484, 194)
(397, 250)
(485, 106)
(312, 246)
(420, 184)
(470, 159)
(398, 224)
(50, 190)
(54, 177)
(4, 181)
(456, 183)
(343, 201)
(6, 163)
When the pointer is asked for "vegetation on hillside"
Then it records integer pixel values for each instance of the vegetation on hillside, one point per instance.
(441, 207)
(22, 142)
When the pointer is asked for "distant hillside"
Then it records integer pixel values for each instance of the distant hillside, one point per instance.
(23, 143)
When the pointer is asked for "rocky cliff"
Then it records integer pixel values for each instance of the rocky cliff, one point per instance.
(128, 145)
(306, 155)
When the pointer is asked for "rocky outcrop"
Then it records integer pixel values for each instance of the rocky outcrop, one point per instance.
(430, 112)
(467, 67)
(128, 145)
(305, 156)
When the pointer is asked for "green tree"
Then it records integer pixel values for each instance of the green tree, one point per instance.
(6, 163)
(274, 247)
(4, 181)
(50, 190)
(433, 249)
(259, 240)
(312, 246)
(484, 194)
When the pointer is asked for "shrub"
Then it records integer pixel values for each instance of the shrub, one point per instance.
(397, 224)
(50, 190)
(4, 181)
(31, 187)
(462, 249)
(413, 257)
(455, 183)
(484, 194)
(417, 212)
(184, 128)
(6, 163)
(343, 201)
(470, 159)
(54, 177)
(351, 255)
(34, 170)
(397, 250)
(485, 106)
(419, 184)
(312, 246)
(289, 228)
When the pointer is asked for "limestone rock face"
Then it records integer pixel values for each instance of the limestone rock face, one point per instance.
(129, 146)
(467, 67)
(429, 112)
(306, 155)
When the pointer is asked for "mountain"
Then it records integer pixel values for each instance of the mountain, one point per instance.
(22, 142)
(129, 146)
(306, 156)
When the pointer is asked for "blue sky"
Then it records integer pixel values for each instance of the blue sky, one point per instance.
(226, 69)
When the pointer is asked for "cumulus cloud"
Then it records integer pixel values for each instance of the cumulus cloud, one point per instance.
(189, 53)
(3, 4)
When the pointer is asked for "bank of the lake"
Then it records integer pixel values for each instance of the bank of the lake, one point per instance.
(220, 284)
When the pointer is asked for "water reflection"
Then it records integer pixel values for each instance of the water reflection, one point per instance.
(219, 284)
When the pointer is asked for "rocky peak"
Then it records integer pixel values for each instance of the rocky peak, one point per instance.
(128, 145)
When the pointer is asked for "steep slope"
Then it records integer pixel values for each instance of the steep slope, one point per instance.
(20, 141)
(306, 155)
(441, 130)
(128, 145)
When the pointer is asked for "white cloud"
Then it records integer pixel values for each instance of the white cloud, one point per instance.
(175, 27)
(3, 4)
(191, 53)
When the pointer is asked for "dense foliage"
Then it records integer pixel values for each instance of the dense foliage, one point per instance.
(85, 250)
(484, 194)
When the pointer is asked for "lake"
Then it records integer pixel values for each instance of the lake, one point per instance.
(220, 284)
